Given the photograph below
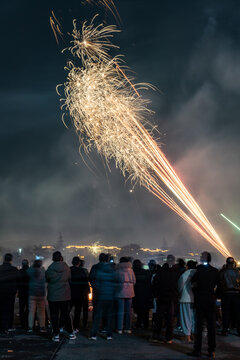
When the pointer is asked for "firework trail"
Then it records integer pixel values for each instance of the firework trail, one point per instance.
(56, 27)
(109, 114)
(109, 6)
(231, 222)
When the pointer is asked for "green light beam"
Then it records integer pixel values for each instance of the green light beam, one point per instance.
(230, 222)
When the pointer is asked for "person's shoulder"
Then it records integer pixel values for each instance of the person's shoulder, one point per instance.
(214, 269)
(14, 268)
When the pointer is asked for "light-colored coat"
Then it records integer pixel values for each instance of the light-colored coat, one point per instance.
(126, 280)
(185, 287)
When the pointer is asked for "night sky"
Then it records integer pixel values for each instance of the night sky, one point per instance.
(190, 50)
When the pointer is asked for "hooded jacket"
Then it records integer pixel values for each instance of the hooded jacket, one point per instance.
(58, 276)
(105, 283)
(230, 280)
(126, 280)
(185, 287)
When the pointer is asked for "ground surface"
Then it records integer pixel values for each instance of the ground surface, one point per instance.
(138, 347)
(19, 346)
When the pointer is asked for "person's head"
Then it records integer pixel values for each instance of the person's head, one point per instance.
(206, 257)
(25, 263)
(8, 258)
(124, 259)
(137, 265)
(181, 263)
(81, 264)
(76, 261)
(165, 266)
(37, 263)
(170, 260)
(191, 264)
(152, 265)
(230, 261)
(103, 257)
(57, 256)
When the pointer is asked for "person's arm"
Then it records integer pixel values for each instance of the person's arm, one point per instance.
(180, 284)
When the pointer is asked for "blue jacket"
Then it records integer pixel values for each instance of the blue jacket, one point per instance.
(105, 282)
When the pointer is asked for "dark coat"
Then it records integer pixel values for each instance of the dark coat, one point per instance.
(37, 282)
(8, 279)
(205, 281)
(93, 276)
(165, 285)
(229, 280)
(143, 299)
(79, 283)
(58, 276)
(23, 282)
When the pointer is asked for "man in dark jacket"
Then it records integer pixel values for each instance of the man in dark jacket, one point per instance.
(104, 288)
(79, 292)
(230, 293)
(58, 276)
(103, 258)
(205, 281)
(8, 290)
(23, 294)
(165, 291)
(143, 299)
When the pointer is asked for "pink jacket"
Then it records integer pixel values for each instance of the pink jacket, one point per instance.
(126, 280)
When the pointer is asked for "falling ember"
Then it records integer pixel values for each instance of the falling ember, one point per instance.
(109, 114)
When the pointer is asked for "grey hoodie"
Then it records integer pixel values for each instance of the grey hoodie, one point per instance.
(58, 276)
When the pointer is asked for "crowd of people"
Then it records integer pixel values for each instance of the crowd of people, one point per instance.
(177, 294)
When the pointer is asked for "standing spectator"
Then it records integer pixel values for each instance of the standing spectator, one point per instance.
(206, 279)
(180, 267)
(153, 268)
(79, 293)
(8, 290)
(104, 287)
(103, 258)
(152, 265)
(37, 293)
(124, 295)
(230, 289)
(186, 300)
(23, 294)
(143, 299)
(165, 290)
(58, 276)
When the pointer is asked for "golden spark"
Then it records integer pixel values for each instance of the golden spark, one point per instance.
(109, 114)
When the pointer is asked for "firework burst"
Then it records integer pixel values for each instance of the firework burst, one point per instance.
(109, 114)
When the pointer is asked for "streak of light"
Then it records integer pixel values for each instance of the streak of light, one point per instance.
(109, 114)
(109, 6)
(230, 222)
(56, 27)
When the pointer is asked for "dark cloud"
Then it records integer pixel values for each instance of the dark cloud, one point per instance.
(190, 51)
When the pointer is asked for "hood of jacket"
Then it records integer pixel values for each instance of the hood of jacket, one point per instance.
(125, 266)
